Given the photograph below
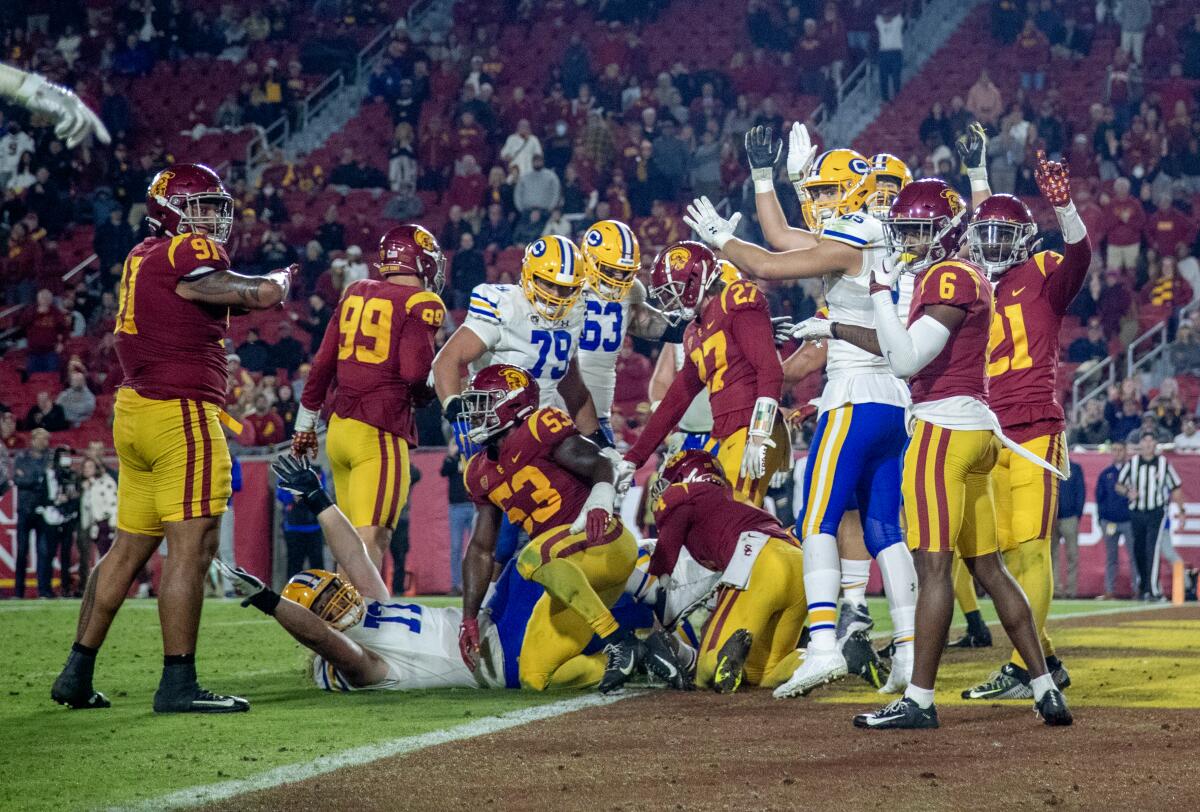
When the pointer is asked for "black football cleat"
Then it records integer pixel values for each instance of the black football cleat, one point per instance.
(64, 693)
(1053, 710)
(1010, 682)
(731, 662)
(903, 714)
(659, 659)
(1059, 673)
(978, 638)
(197, 700)
(624, 656)
(862, 659)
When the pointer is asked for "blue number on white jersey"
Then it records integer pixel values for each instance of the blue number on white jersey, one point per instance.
(407, 614)
(560, 342)
(599, 316)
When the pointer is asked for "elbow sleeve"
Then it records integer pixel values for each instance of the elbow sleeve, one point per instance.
(907, 350)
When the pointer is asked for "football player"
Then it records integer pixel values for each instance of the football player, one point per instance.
(956, 440)
(365, 641)
(730, 350)
(1033, 290)
(176, 295)
(890, 175)
(536, 469)
(760, 610)
(859, 440)
(73, 121)
(378, 348)
(614, 303)
(535, 326)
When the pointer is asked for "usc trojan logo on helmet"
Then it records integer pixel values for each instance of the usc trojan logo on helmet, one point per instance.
(678, 259)
(954, 199)
(424, 239)
(515, 378)
(159, 189)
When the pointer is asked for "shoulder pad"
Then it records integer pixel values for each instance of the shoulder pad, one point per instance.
(1047, 261)
(951, 282)
(855, 230)
(188, 253)
(485, 302)
(426, 306)
(549, 424)
(742, 295)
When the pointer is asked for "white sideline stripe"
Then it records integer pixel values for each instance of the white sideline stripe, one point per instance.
(209, 793)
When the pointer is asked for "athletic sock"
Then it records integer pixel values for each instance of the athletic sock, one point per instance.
(922, 696)
(1030, 565)
(900, 587)
(964, 588)
(1041, 685)
(975, 624)
(822, 581)
(1053, 663)
(81, 663)
(565, 581)
(179, 671)
(855, 573)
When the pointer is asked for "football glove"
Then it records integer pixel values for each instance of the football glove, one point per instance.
(782, 327)
(712, 228)
(623, 471)
(762, 151)
(813, 329)
(297, 477)
(885, 274)
(468, 642)
(284, 277)
(250, 588)
(73, 121)
(972, 147)
(758, 438)
(461, 429)
(801, 152)
(1053, 181)
(596, 512)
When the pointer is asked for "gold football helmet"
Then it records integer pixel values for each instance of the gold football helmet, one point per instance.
(552, 276)
(612, 257)
(840, 182)
(327, 596)
(890, 176)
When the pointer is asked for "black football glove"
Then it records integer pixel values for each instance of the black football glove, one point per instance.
(298, 478)
(762, 148)
(972, 146)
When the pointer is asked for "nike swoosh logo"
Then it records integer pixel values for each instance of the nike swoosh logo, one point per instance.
(214, 703)
(515, 458)
(1017, 292)
(671, 669)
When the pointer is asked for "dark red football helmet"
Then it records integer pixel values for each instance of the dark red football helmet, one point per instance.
(498, 397)
(682, 272)
(1000, 233)
(189, 198)
(693, 465)
(412, 249)
(924, 223)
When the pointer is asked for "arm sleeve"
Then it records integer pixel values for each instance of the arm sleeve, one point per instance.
(907, 351)
(753, 333)
(683, 390)
(426, 312)
(1065, 280)
(1172, 480)
(324, 365)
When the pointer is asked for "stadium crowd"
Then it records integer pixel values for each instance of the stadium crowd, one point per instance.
(491, 151)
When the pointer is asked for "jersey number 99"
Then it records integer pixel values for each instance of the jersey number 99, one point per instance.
(365, 328)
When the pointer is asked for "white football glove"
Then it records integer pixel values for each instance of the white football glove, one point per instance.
(801, 152)
(813, 329)
(596, 512)
(623, 471)
(712, 228)
(888, 271)
(73, 120)
(754, 456)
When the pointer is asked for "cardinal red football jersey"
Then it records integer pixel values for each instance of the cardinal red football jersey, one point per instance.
(170, 347)
(961, 367)
(378, 349)
(524, 481)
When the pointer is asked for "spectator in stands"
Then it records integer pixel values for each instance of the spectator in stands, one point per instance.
(529, 227)
(319, 314)
(265, 424)
(1167, 406)
(520, 148)
(1124, 408)
(287, 352)
(1168, 227)
(936, 128)
(1164, 292)
(331, 234)
(1189, 46)
(454, 227)
(45, 327)
(1006, 20)
(1033, 50)
(539, 189)
(1188, 438)
(271, 207)
(97, 513)
(135, 58)
(356, 267)
(286, 406)
(76, 402)
(495, 232)
(1149, 426)
(985, 102)
(1092, 428)
(1050, 129)
(113, 239)
(467, 270)
(1071, 497)
(8, 431)
(1133, 16)
(312, 263)
(301, 532)
(1184, 353)
(1090, 347)
(659, 229)
(347, 173)
(671, 157)
(1126, 220)
(1112, 508)
(557, 223)
(704, 165)
(405, 205)
(29, 475)
(889, 24)
(254, 353)
(646, 181)
(44, 414)
(468, 184)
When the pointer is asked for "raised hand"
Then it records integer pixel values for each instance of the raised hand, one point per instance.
(972, 147)
(801, 152)
(1053, 180)
(712, 228)
(762, 147)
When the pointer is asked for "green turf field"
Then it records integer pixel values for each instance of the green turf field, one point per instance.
(58, 759)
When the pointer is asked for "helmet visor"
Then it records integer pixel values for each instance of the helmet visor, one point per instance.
(210, 213)
(670, 299)
(479, 409)
(914, 240)
(997, 245)
(340, 605)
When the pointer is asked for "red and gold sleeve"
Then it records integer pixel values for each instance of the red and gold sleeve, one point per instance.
(324, 365)
(671, 519)
(1065, 272)
(190, 256)
(547, 428)
(753, 333)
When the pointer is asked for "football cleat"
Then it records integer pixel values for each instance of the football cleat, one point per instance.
(1010, 682)
(1052, 709)
(861, 659)
(1059, 673)
(731, 662)
(623, 658)
(901, 673)
(973, 639)
(198, 700)
(659, 659)
(853, 618)
(903, 714)
(78, 700)
(816, 669)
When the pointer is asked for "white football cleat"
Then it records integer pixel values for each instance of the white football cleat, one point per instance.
(816, 669)
(901, 673)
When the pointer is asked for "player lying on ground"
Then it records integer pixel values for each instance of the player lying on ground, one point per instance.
(1033, 291)
(536, 469)
(73, 121)
(956, 439)
(176, 296)
(377, 351)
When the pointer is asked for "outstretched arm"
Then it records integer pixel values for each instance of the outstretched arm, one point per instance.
(238, 290)
(477, 561)
(360, 666)
(646, 321)
(804, 361)
(462, 348)
(73, 121)
(823, 258)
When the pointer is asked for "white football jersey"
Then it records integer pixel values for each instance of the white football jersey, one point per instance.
(514, 333)
(419, 644)
(698, 418)
(853, 374)
(604, 329)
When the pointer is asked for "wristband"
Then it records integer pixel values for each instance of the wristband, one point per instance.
(833, 330)
(763, 185)
(1070, 223)
(317, 501)
(979, 179)
(306, 419)
(266, 601)
(452, 407)
(762, 419)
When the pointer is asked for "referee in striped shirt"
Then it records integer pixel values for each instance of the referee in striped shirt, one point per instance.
(1148, 480)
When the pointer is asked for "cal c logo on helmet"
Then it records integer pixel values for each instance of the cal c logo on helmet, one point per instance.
(859, 167)
(594, 238)
(538, 248)
(159, 189)
(678, 259)
(423, 238)
(954, 199)
(515, 378)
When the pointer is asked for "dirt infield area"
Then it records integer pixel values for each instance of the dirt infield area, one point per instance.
(697, 750)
